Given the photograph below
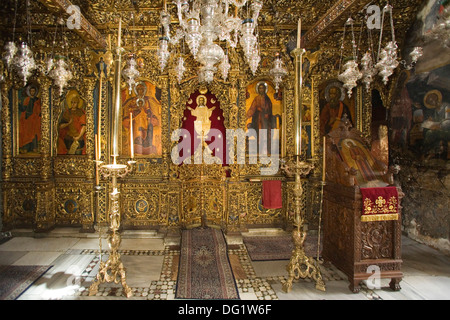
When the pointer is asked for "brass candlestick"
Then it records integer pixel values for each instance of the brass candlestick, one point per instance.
(113, 269)
(300, 265)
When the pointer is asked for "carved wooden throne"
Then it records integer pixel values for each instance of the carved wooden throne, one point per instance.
(358, 247)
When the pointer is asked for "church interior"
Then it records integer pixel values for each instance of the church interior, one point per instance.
(225, 150)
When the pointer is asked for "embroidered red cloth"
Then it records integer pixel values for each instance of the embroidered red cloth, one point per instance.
(379, 204)
(271, 194)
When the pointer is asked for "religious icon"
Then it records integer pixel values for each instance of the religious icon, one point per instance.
(263, 111)
(358, 157)
(436, 127)
(203, 120)
(145, 107)
(333, 106)
(72, 126)
(29, 114)
(202, 123)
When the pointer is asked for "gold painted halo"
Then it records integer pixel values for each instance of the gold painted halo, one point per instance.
(32, 85)
(71, 95)
(429, 93)
(337, 85)
(201, 96)
(266, 86)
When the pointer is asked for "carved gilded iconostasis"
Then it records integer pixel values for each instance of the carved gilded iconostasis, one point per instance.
(49, 175)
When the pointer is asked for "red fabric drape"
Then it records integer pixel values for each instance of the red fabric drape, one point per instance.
(379, 204)
(271, 197)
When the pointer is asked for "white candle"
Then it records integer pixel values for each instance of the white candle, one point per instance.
(313, 151)
(96, 148)
(99, 120)
(119, 37)
(324, 157)
(299, 33)
(97, 158)
(131, 136)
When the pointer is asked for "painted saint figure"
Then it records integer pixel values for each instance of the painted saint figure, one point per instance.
(260, 110)
(30, 121)
(334, 110)
(360, 158)
(436, 127)
(202, 123)
(72, 126)
(146, 121)
(261, 114)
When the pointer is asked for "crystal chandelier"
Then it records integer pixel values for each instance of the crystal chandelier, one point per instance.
(278, 72)
(415, 54)
(368, 71)
(383, 65)
(387, 62)
(351, 73)
(60, 74)
(10, 53)
(387, 57)
(24, 63)
(225, 67)
(131, 73)
(21, 60)
(180, 69)
(10, 46)
(202, 23)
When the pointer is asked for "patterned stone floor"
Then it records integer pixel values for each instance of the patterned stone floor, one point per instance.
(152, 272)
(248, 283)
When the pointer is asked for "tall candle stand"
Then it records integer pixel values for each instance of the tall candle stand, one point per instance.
(113, 270)
(300, 265)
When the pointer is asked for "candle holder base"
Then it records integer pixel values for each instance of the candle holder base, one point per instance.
(112, 270)
(300, 265)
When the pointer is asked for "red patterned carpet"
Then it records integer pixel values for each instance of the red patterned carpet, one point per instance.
(204, 269)
(14, 280)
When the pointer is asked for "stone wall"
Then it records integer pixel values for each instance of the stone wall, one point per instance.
(419, 123)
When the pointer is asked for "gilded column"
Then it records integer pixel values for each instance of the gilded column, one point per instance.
(46, 129)
(6, 132)
(7, 214)
(165, 135)
(45, 189)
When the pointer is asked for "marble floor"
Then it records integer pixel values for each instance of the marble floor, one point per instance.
(151, 264)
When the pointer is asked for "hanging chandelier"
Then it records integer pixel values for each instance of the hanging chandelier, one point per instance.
(278, 72)
(351, 73)
(60, 74)
(131, 73)
(383, 64)
(203, 23)
(22, 61)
